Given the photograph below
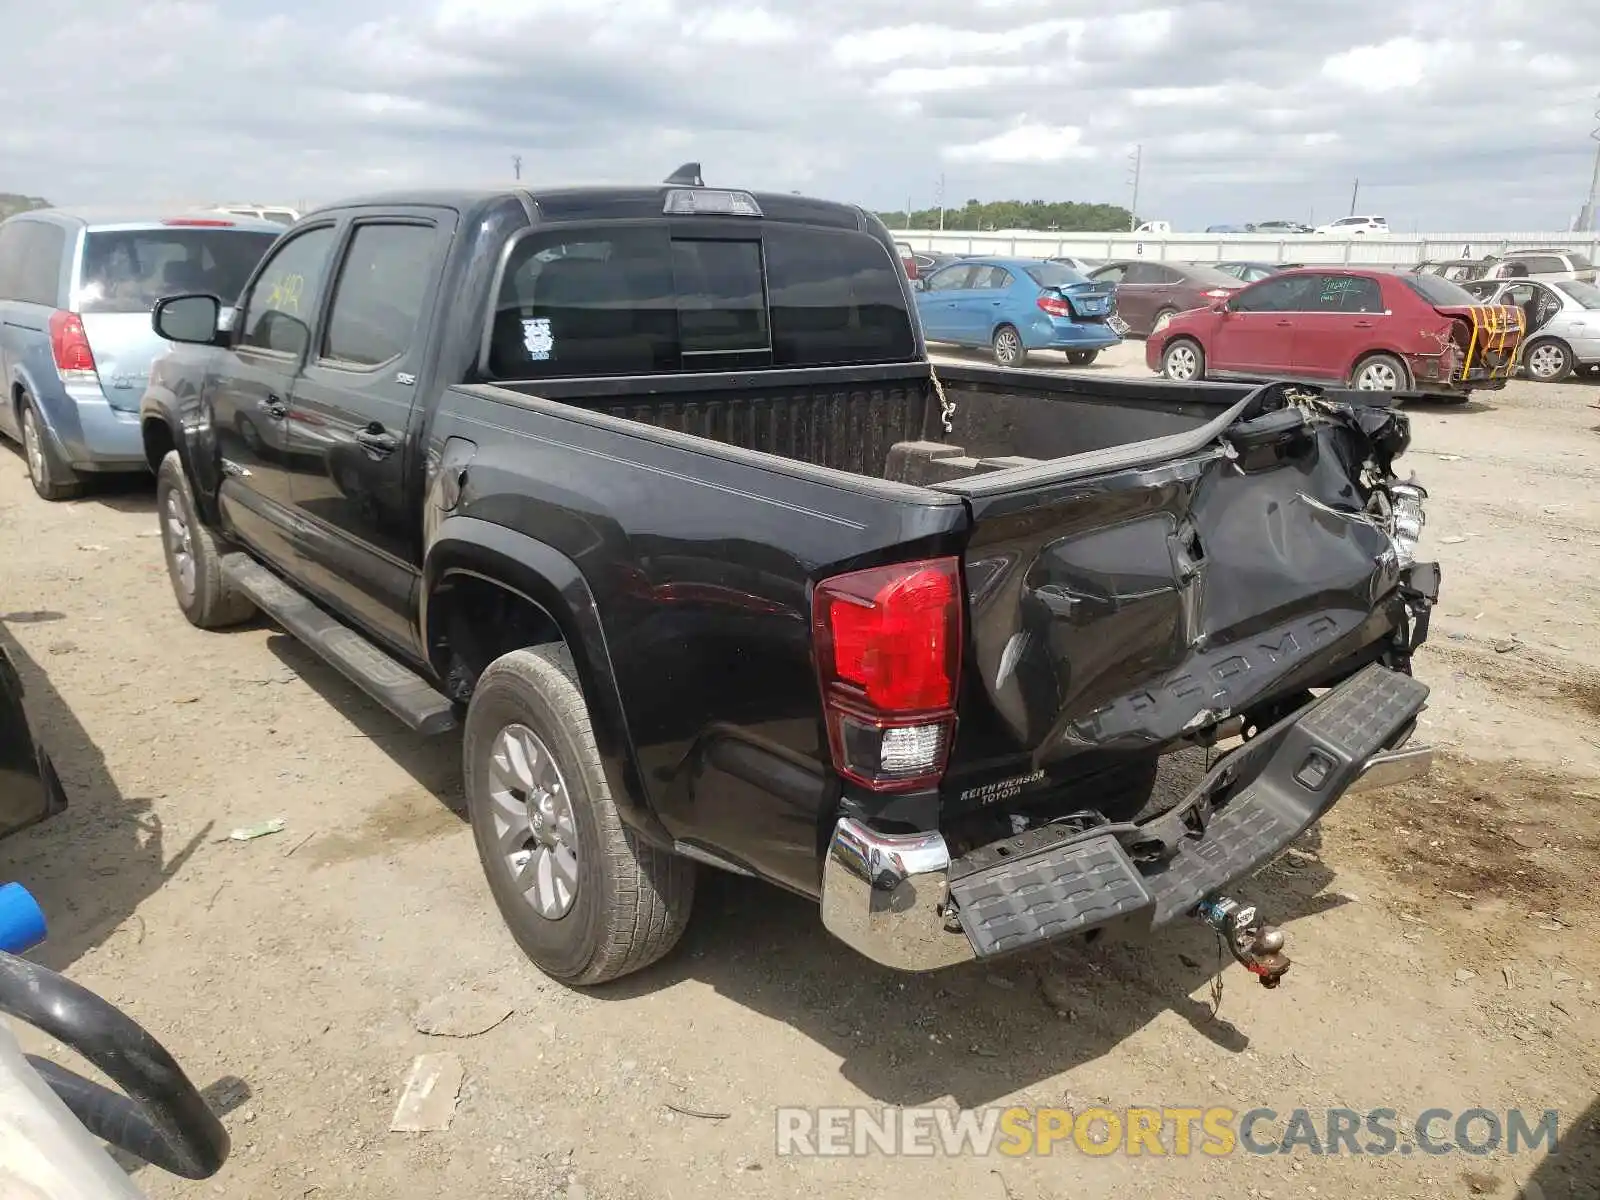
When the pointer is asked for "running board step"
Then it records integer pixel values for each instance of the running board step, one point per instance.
(399, 689)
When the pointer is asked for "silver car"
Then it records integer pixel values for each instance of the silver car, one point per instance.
(1563, 318)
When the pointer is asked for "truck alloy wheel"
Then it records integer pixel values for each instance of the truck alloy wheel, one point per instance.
(194, 557)
(584, 896)
(533, 821)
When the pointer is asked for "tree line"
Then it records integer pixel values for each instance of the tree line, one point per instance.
(12, 203)
(1042, 215)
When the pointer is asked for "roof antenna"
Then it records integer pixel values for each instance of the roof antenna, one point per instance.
(687, 175)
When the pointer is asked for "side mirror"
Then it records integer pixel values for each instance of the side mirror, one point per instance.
(1219, 306)
(191, 319)
(919, 284)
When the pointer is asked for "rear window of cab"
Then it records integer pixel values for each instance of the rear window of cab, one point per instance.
(645, 298)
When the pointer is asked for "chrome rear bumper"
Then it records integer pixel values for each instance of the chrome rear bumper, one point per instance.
(889, 896)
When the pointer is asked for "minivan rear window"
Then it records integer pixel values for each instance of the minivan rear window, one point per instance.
(128, 270)
(633, 299)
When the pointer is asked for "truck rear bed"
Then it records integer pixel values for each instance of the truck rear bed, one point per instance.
(888, 422)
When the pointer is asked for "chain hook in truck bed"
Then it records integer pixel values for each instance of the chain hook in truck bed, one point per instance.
(1255, 945)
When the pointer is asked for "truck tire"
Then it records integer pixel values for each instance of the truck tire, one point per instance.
(194, 559)
(585, 898)
(49, 473)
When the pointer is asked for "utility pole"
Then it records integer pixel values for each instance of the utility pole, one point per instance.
(908, 212)
(1585, 222)
(516, 166)
(941, 201)
(1137, 158)
(1354, 192)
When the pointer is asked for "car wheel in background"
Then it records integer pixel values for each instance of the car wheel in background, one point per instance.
(1183, 361)
(1082, 358)
(1008, 348)
(1547, 360)
(50, 476)
(1379, 373)
(194, 559)
(584, 896)
(1163, 319)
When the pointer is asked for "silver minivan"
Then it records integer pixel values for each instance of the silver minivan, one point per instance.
(76, 290)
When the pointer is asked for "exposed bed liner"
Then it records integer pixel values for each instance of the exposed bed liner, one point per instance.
(888, 422)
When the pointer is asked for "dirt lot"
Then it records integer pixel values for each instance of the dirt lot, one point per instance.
(1443, 933)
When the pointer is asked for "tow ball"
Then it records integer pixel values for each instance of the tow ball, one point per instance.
(1254, 944)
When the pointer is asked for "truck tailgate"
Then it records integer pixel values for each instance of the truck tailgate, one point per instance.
(1121, 598)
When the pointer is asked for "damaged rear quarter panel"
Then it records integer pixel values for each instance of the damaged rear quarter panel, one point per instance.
(1123, 610)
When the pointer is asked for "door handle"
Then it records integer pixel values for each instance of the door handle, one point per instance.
(274, 407)
(1285, 324)
(1363, 325)
(376, 441)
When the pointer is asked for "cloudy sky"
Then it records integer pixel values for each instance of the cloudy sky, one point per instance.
(1454, 114)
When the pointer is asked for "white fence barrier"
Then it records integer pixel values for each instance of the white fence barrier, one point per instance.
(1372, 249)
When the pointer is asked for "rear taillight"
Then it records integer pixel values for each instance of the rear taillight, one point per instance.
(911, 267)
(1217, 294)
(888, 644)
(69, 345)
(1055, 306)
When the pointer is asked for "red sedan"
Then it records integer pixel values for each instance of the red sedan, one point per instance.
(1367, 329)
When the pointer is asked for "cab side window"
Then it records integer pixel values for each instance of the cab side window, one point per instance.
(281, 307)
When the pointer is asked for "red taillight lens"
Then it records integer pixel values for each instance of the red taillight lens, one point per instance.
(1055, 306)
(911, 267)
(69, 344)
(888, 643)
(1218, 294)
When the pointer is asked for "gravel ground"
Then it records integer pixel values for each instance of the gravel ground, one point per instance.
(1442, 932)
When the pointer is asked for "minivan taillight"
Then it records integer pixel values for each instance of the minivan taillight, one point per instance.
(69, 345)
(888, 645)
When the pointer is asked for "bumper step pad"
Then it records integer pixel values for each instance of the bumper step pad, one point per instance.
(1031, 888)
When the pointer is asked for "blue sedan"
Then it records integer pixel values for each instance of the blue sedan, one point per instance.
(1014, 305)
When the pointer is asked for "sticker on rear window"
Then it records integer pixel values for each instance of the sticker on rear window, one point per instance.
(537, 338)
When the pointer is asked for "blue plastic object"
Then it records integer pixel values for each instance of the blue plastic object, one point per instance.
(22, 924)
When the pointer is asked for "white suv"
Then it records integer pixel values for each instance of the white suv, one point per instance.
(1354, 225)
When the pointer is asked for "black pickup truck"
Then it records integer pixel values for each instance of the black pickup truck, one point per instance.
(655, 491)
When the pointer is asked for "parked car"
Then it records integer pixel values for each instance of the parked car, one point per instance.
(1249, 272)
(1149, 294)
(1157, 227)
(1368, 329)
(928, 261)
(76, 289)
(1562, 318)
(1017, 305)
(1079, 264)
(1355, 226)
(1542, 264)
(1230, 228)
(1281, 227)
(908, 258)
(1458, 270)
(658, 487)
